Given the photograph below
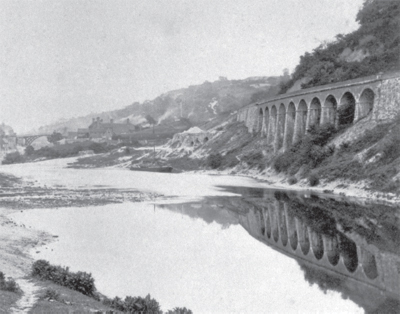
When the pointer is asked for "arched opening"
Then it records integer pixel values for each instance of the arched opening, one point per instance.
(332, 250)
(329, 112)
(315, 113)
(291, 118)
(348, 250)
(259, 120)
(301, 121)
(272, 125)
(366, 103)
(369, 264)
(266, 119)
(282, 224)
(317, 245)
(304, 240)
(281, 126)
(205, 140)
(346, 109)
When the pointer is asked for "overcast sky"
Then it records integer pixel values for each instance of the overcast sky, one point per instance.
(61, 59)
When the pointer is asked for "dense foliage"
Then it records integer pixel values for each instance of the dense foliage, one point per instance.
(79, 281)
(374, 47)
(8, 284)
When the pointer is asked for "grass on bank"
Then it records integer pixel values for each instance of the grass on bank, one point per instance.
(83, 283)
(373, 157)
(9, 292)
(62, 151)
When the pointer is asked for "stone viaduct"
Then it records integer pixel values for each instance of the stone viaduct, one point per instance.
(284, 119)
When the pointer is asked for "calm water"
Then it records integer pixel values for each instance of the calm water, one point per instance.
(230, 249)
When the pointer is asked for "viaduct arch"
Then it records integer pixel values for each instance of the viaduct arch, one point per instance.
(285, 119)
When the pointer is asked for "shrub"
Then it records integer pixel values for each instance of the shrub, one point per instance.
(134, 304)
(313, 179)
(79, 281)
(214, 161)
(179, 310)
(292, 180)
(254, 159)
(51, 294)
(8, 285)
(13, 158)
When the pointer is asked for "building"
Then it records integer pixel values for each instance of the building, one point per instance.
(99, 130)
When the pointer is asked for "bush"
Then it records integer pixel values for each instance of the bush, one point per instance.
(51, 294)
(179, 310)
(292, 180)
(13, 158)
(214, 161)
(80, 281)
(313, 179)
(134, 304)
(8, 285)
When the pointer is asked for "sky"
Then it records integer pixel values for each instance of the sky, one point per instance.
(68, 58)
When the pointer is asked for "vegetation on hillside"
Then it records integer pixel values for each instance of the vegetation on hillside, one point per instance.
(84, 283)
(374, 47)
(373, 157)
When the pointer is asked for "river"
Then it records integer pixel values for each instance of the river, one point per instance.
(222, 244)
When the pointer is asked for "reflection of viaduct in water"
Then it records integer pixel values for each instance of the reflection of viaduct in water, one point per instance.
(332, 252)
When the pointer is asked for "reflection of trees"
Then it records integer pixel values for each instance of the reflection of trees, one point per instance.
(324, 280)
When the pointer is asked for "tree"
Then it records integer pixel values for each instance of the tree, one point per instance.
(150, 119)
(55, 137)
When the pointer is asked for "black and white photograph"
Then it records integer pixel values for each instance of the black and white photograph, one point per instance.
(199, 156)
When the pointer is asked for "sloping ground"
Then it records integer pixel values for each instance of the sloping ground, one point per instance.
(365, 153)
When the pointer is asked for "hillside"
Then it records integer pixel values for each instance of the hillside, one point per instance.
(196, 104)
(374, 47)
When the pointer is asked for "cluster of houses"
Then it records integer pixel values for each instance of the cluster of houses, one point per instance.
(99, 130)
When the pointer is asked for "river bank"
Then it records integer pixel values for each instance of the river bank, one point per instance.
(51, 185)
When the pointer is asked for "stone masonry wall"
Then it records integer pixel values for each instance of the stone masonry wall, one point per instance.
(388, 105)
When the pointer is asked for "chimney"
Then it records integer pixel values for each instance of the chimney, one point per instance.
(127, 121)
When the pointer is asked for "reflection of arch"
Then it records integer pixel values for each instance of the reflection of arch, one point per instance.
(317, 245)
(329, 112)
(332, 250)
(291, 225)
(282, 224)
(272, 125)
(274, 223)
(301, 121)
(366, 103)
(268, 224)
(281, 126)
(261, 216)
(369, 264)
(315, 112)
(346, 109)
(348, 250)
(266, 119)
(304, 240)
(290, 119)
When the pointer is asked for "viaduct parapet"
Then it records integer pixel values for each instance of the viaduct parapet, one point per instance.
(283, 120)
